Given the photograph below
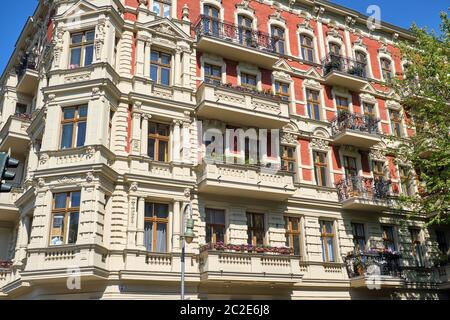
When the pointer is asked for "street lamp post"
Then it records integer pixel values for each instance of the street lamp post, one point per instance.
(187, 237)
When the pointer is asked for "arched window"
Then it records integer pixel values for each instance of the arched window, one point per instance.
(335, 49)
(211, 19)
(361, 63)
(386, 69)
(278, 39)
(307, 47)
(245, 31)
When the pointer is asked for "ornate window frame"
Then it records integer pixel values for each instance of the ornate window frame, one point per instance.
(308, 31)
(213, 3)
(214, 60)
(310, 84)
(360, 46)
(368, 98)
(342, 92)
(320, 142)
(250, 69)
(384, 54)
(280, 23)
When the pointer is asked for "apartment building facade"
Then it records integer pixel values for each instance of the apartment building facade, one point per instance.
(111, 107)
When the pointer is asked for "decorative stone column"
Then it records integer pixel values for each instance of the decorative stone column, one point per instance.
(186, 69)
(148, 52)
(177, 67)
(136, 129)
(140, 223)
(144, 135)
(132, 218)
(186, 142)
(176, 233)
(140, 57)
(176, 141)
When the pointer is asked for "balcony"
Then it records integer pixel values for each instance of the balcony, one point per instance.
(444, 276)
(235, 43)
(361, 193)
(245, 181)
(247, 107)
(5, 273)
(27, 76)
(8, 211)
(375, 269)
(355, 129)
(344, 72)
(248, 267)
(14, 134)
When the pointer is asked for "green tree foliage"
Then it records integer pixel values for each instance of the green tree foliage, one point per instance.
(425, 95)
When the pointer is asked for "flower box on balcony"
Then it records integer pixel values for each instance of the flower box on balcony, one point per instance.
(220, 246)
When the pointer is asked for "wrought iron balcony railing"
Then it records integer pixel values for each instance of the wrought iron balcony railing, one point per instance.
(362, 187)
(246, 37)
(373, 263)
(349, 66)
(356, 122)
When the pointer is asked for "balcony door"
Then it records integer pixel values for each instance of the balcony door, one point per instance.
(211, 20)
(255, 228)
(245, 32)
(361, 64)
(351, 173)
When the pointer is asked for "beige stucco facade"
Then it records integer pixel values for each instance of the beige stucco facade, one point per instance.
(116, 178)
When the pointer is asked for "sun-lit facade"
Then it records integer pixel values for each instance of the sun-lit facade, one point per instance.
(110, 104)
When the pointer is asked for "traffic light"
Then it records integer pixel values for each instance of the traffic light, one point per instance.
(7, 162)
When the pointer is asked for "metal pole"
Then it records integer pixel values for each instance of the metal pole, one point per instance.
(183, 247)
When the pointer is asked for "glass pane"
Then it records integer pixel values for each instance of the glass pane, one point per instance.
(60, 200)
(162, 152)
(88, 55)
(208, 234)
(157, 7)
(75, 199)
(151, 149)
(330, 250)
(69, 113)
(152, 128)
(162, 211)
(90, 36)
(154, 72)
(165, 59)
(149, 210)
(75, 58)
(148, 235)
(77, 38)
(296, 245)
(57, 230)
(161, 238)
(220, 234)
(165, 76)
(329, 227)
(324, 258)
(166, 11)
(81, 134)
(259, 221)
(163, 130)
(82, 112)
(154, 56)
(316, 112)
(73, 228)
(66, 138)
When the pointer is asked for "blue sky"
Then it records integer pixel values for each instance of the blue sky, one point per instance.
(398, 12)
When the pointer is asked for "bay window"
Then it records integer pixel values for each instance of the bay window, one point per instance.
(158, 141)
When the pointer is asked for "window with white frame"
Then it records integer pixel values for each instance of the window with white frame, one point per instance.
(386, 69)
(313, 104)
(307, 47)
(279, 41)
(162, 8)
(81, 49)
(327, 238)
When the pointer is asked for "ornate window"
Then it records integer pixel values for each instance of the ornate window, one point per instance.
(81, 49)
(361, 61)
(293, 239)
(307, 44)
(327, 240)
(288, 162)
(335, 49)
(313, 104)
(156, 223)
(255, 228)
(369, 109)
(386, 69)
(378, 171)
(65, 215)
(160, 67)
(342, 104)
(215, 225)
(359, 237)
(245, 31)
(278, 36)
(213, 74)
(162, 7)
(248, 80)
(282, 90)
(211, 19)
(396, 123)
(405, 180)
(388, 237)
(158, 141)
(73, 124)
(350, 167)
(320, 168)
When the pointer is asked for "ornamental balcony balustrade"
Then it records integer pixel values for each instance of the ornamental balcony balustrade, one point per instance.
(343, 71)
(235, 42)
(363, 193)
(246, 106)
(355, 129)
(374, 268)
(247, 263)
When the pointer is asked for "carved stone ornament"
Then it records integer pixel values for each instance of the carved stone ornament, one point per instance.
(288, 138)
(41, 183)
(377, 154)
(89, 177)
(43, 158)
(319, 144)
(134, 186)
